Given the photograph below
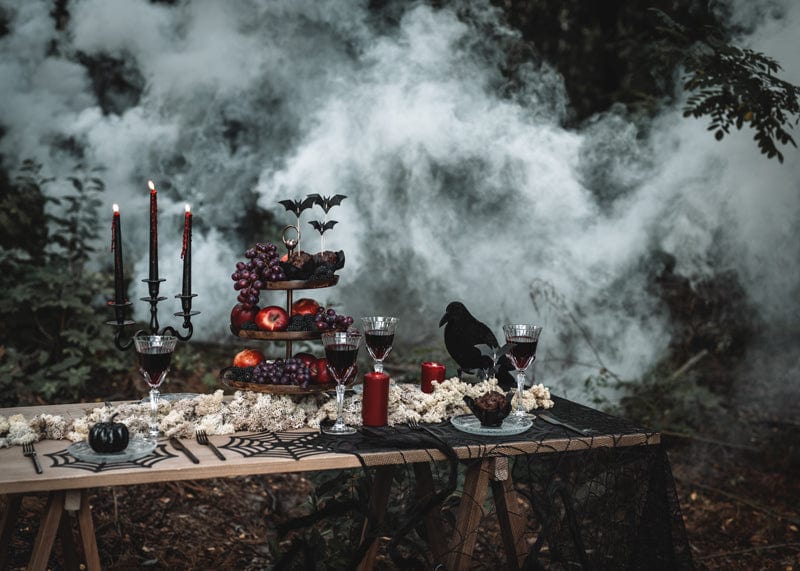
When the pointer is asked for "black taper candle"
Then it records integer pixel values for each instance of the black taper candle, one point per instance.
(186, 253)
(153, 231)
(116, 247)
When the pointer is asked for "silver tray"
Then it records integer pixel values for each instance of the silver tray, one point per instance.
(137, 448)
(470, 424)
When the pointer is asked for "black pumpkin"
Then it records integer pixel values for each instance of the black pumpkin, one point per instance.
(108, 437)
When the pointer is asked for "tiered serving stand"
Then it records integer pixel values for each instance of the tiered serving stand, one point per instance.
(288, 337)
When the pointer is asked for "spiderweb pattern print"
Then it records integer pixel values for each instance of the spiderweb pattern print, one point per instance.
(294, 445)
(63, 459)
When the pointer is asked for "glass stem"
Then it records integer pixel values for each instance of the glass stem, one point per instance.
(378, 367)
(153, 414)
(520, 387)
(339, 404)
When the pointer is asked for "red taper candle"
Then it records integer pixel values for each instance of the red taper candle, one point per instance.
(116, 247)
(153, 231)
(375, 400)
(431, 372)
(186, 252)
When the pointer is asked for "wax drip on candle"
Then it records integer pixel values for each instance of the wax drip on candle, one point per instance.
(186, 254)
(186, 231)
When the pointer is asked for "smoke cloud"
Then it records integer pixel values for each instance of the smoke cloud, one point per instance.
(455, 190)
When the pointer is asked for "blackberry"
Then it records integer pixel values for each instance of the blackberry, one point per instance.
(321, 272)
(249, 326)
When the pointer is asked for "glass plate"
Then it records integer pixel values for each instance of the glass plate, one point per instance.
(138, 448)
(469, 423)
(170, 397)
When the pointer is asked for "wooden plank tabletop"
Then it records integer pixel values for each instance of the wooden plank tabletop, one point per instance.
(18, 475)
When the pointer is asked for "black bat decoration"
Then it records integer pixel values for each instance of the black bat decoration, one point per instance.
(327, 202)
(322, 227)
(297, 206)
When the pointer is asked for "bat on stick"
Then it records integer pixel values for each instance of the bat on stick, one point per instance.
(327, 202)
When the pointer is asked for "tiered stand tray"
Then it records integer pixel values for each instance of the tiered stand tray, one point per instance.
(289, 286)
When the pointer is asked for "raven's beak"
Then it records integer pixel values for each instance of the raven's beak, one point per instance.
(445, 317)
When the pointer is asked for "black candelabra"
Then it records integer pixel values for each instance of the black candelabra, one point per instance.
(120, 302)
(153, 285)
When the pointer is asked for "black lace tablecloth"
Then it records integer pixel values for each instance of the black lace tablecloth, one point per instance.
(592, 507)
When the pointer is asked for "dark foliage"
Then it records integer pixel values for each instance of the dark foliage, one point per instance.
(50, 334)
(615, 52)
(733, 87)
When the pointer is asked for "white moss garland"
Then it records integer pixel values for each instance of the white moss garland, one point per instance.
(256, 412)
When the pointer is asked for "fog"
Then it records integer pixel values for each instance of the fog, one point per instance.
(455, 190)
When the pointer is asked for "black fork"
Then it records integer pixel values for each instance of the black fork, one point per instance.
(29, 450)
(202, 438)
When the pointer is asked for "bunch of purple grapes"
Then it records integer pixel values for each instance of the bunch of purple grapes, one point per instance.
(282, 372)
(263, 265)
(327, 320)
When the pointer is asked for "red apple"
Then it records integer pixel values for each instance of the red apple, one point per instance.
(241, 315)
(307, 358)
(272, 318)
(305, 306)
(248, 358)
(323, 375)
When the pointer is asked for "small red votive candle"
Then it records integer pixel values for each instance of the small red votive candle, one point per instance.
(375, 400)
(431, 372)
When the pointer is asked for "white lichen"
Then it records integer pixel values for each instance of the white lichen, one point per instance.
(259, 412)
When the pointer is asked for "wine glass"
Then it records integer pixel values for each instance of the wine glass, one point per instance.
(154, 353)
(379, 336)
(523, 339)
(341, 350)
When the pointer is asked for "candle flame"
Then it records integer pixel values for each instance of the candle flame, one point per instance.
(151, 186)
(188, 209)
(115, 208)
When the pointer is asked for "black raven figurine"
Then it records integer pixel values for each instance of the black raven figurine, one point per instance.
(462, 333)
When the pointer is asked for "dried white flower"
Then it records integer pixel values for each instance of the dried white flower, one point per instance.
(261, 412)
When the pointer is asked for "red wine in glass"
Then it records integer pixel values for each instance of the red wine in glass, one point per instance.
(155, 365)
(341, 358)
(154, 353)
(379, 342)
(523, 339)
(522, 351)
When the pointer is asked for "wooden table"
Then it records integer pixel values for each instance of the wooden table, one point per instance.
(67, 488)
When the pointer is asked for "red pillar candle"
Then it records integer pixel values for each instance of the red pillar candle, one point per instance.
(116, 247)
(153, 231)
(186, 252)
(431, 372)
(375, 400)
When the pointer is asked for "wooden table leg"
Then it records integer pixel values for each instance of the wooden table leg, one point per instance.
(470, 512)
(67, 542)
(48, 528)
(9, 522)
(512, 522)
(434, 524)
(480, 476)
(381, 487)
(86, 527)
